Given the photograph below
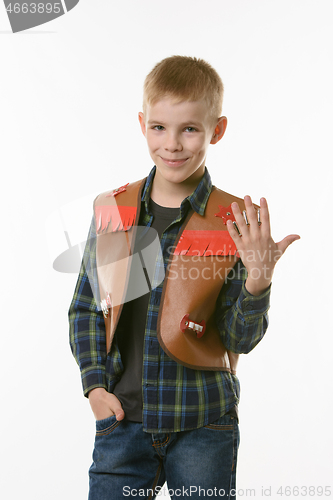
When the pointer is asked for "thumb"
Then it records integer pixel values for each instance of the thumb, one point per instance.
(288, 240)
(116, 407)
(120, 414)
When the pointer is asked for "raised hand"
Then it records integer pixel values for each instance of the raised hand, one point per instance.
(257, 250)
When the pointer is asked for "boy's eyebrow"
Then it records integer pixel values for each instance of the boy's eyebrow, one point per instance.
(189, 122)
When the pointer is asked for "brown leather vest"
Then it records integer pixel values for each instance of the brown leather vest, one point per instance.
(203, 255)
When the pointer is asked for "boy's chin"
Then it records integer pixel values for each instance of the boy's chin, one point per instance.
(179, 175)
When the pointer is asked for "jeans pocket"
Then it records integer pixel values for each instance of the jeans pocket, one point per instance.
(106, 426)
(224, 423)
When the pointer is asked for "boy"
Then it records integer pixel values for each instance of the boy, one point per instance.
(159, 370)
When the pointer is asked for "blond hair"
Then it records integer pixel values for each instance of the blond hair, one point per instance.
(184, 78)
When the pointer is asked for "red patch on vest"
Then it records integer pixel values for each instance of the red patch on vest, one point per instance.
(118, 190)
(225, 213)
(121, 218)
(205, 243)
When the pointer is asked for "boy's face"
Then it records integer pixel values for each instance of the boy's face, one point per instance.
(178, 136)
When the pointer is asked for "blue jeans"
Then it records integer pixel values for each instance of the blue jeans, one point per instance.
(131, 463)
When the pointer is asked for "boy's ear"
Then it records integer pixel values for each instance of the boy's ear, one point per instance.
(142, 123)
(219, 129)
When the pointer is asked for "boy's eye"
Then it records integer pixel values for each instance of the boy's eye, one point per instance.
(158, 127)
(190, 129)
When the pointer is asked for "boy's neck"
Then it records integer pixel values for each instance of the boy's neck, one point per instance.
(170, 194)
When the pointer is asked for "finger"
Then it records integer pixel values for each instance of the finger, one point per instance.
(120, 414)
(264, 217)
(233, 232)
(288, 240)
(116, 407)
(252, 215)
(240, 221)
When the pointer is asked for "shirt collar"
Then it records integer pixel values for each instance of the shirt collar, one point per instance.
(198, 199)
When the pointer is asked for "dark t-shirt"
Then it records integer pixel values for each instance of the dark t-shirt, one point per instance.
(131, 330)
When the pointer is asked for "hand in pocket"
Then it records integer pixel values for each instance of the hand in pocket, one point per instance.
(105, 404)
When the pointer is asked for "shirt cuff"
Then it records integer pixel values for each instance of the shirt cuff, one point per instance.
(92, 377)
(251, 306)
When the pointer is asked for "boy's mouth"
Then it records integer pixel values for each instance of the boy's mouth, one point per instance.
(174, 163)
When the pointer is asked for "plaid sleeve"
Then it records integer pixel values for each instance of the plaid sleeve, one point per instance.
(86, 322)
(241, 318)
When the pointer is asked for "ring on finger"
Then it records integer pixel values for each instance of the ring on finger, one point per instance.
(237, 228)
(247, 220)
(259, 220)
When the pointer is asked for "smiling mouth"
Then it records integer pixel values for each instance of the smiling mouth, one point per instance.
(174, 162)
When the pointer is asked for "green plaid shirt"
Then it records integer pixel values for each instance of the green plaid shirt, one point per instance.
(175, 398)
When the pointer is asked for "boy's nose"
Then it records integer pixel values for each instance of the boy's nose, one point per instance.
(172, 143)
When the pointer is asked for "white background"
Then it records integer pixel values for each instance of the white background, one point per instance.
(69, 97)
